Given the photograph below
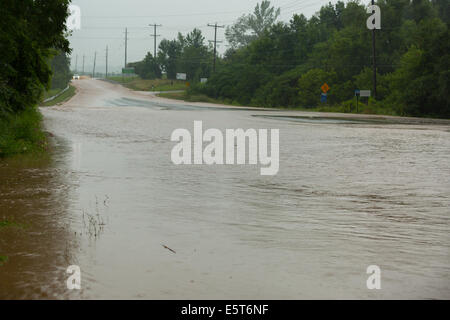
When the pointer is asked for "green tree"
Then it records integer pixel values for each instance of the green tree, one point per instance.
(60, 66)
(168, 54)
(148, 68)
(286, 63)
(309, 86)
(249, 27)
(420, 85)
(195, 57)
(31, 33)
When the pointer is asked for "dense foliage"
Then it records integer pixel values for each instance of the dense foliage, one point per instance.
(30, 33)
(147, 68)
(33, 46)
(61, 74)
(187, 54)
(286, 65)
(251, 26)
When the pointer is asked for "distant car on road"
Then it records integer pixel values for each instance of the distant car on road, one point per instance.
(76, 77)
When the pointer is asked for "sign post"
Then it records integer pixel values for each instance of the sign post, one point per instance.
(325, 88)
(361, 93)
(357, 95)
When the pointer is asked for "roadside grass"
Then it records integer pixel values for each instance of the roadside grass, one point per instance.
(350, 106)
(185, 96)
(51, 93)
(22, 133)
(62, 98)
(371, 107)
(138, 84)
(123, 80)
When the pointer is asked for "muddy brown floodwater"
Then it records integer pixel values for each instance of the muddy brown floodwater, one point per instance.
(349, 194)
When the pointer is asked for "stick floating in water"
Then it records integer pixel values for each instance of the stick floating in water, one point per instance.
(166, 247)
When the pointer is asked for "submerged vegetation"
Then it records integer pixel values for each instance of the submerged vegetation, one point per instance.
(3, 260)
(7, 223)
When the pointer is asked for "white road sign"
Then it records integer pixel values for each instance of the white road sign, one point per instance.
(364, 93)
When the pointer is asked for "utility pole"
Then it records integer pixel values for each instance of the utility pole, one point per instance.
(154, 35)
(93, 71)
(126, 46)
(215, 26)
(374, 62)
(106, 74)
(76, 64)
(83, 64)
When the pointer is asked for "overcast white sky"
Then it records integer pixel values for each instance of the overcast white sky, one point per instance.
(103, 24)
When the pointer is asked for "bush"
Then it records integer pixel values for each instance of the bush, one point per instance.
(21, 133)
(310, 83)
(281, 91)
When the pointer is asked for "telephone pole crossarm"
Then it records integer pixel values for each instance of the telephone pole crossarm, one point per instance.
(154, 35)
(215, 26)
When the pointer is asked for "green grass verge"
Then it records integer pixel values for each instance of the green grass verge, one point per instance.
(345, 107)
(184, 96)
(138, 84)
(62, 98)
(22, 133)
(51, 93)
(370, 107)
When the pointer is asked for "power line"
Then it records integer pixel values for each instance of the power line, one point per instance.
(126, 46)
(374, 62)
(166, 15)
(106, 76)
(154, 35)
(215, 26)
(93, 71)
(297, 9)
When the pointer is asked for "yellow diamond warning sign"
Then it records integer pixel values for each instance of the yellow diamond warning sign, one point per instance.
(325, 88)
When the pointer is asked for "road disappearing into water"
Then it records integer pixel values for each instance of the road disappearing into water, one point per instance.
(349, 194)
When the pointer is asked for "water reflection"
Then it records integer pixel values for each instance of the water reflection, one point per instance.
(39, 245)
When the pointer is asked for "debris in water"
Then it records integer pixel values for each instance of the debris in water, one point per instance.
(166, 247)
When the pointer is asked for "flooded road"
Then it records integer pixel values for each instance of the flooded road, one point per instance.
(348, 195)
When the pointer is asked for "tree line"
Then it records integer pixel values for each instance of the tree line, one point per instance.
(186, 54)
(287, 64)
(278, 64)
